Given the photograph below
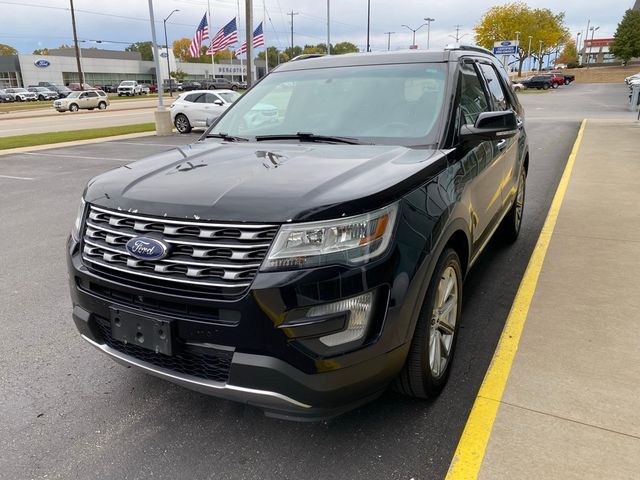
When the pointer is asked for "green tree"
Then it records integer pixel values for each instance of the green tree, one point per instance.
(569, 55)
(274, 56)
(293, 52)
(7, 50)
(41, 51)
(626, 43)
(344, 47)
(314, 49)
(145, 49)
(179, 75)
(542, 25)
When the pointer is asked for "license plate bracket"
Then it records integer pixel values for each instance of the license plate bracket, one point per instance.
(146, 332)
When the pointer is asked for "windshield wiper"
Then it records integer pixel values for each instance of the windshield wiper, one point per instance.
(227, 137)
(311, 137)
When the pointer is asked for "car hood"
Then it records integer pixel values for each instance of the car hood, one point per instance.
(265, 182)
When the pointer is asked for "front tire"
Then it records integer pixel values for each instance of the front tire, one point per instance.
(545, 86)
(429, 360)
(510, 228)
(73, 107)
(182, 123)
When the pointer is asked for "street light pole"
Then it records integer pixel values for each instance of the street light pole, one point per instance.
(328, 27)
(166, 42)
(414, 30)
(429, 20)
(540, 57)
(368, 24)
(388, 34)
(162, 116)
(529, 52)
(593, 31)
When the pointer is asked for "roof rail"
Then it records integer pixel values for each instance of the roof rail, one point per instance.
(472, 48)
(304, 56)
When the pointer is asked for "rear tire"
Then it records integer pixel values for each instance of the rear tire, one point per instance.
(102, 105)
(511, 224)
(428, 363)
(182, 123)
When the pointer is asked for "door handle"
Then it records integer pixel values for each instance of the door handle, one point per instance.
(501, 144)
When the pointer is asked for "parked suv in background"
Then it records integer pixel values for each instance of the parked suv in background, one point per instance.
(194, 109)
(541, 82)
(304, 265)
(43, 93)
(217, 83)
(6, 97)
(61, 90)
(22, 94)
(82, 100)
(129, 88)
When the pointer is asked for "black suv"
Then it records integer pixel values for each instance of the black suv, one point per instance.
(541, 82)
(304, 262)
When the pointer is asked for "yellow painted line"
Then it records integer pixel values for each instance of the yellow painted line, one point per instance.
(473, 442)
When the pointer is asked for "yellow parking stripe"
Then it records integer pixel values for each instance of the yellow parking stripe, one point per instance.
(473, 442)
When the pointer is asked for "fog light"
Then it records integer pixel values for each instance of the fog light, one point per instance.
(359, 309)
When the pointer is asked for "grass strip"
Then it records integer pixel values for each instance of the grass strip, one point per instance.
(34, 139)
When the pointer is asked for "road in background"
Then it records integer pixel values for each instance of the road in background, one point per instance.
(70, 412)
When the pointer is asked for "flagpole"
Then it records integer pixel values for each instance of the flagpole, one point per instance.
(213, 62)
(239, 30)
(266, 47)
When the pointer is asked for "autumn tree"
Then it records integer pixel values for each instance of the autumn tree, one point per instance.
(344, 47)
(181, 49)
(7, 50)
(41, 51)
(569, 55)
(145, 49)
(503, 21)
(626, 44)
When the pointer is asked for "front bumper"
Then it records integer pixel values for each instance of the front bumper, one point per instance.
(266, 368)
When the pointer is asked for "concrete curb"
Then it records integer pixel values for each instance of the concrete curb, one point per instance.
(75, 143)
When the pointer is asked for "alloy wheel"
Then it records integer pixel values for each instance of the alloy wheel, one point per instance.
(443, 322)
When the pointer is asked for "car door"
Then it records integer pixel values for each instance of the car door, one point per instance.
(507, 148)
(215, 105)
(92, 100)
(484, 188)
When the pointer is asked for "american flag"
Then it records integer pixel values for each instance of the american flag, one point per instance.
(258, 40)
(227, 35)
(202, 33)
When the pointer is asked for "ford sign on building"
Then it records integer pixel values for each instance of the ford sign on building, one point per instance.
(42, 63)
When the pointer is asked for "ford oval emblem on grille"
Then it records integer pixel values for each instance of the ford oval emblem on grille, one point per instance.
(146, 248)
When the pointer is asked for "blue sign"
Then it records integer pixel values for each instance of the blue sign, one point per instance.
(506, 43)
(505, 47)
(42, 63)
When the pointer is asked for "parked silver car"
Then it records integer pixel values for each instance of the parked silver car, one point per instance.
(87, 100)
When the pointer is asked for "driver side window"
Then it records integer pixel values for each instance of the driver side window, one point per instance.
(473, 100)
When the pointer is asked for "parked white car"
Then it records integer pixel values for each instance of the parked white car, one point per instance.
(193, 109)
(129, 87)
(631, 78)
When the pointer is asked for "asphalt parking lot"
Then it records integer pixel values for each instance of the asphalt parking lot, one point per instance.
(69, 412)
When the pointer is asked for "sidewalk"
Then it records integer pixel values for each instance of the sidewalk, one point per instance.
(570, 408)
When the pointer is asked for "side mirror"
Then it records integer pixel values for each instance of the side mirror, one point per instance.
(490, 126)
(218, 102)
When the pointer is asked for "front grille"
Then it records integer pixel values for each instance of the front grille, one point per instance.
(204, 257)
(212, 365)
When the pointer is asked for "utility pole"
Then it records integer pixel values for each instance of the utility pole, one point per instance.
(593, 31)
(75, 42)
(578, 45)
(249, 39)
(166, 42)
(457, 32)
(529, 52)
(291, 14)
(328, 27)
(429, 20)
(388, 34)
(541, 59)
(368, 25)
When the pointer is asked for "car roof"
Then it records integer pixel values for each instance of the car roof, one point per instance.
(383, 58)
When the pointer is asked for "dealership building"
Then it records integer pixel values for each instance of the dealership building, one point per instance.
(110, 67)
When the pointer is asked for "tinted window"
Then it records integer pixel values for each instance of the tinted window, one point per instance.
(495, 88)
(192, 97)
(92, 94)
(473, 100)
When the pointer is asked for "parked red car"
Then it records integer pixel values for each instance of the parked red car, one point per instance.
(85, 86)
(556, 80)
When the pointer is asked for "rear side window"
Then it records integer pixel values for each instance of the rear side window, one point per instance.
(473, 100)
(498, 95)
(192, 97)
(92, 94)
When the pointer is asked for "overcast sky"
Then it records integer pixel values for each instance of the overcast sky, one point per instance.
(30, 24)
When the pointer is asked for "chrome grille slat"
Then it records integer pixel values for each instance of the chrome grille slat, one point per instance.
(202, 254)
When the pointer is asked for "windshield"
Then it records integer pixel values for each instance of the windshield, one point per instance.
(20, 90)
(387, 104)
(126, 84)
(229, 97)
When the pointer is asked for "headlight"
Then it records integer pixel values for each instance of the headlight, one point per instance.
(346, 241)
(75, 231)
